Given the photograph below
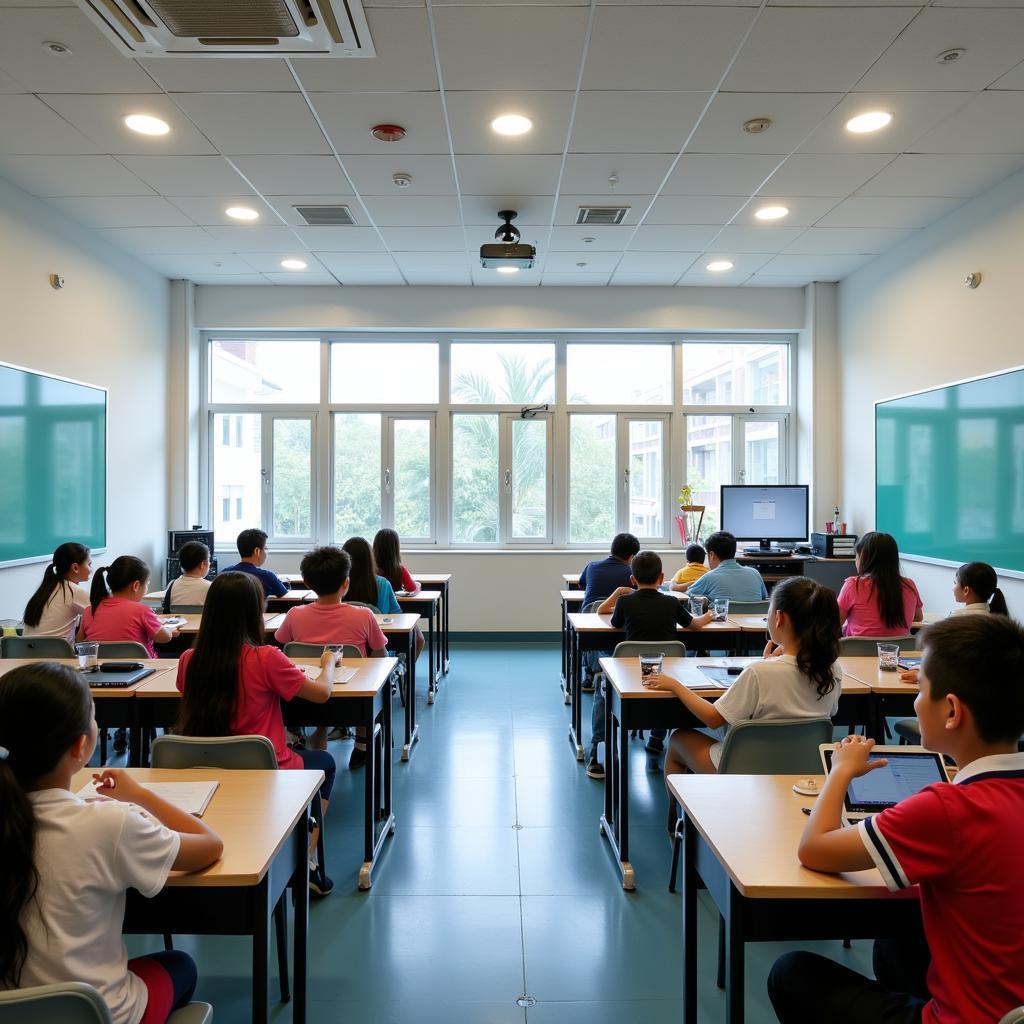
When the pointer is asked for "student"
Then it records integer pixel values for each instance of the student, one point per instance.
(329, 621)
(57, 605)
(958, 842)
(878, 601)
(693, 570)
(727, 578)
(644, 614)
(976, 587)
(365, 586)
(232, 684)
(387, 556)
(600, 578)
(68, 861)
(191, 586)
(252, 546)
(115, 609)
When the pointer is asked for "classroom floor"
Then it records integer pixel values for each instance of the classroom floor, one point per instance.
(497, 884)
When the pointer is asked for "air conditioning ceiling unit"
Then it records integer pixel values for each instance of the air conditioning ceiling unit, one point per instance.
(270, 28)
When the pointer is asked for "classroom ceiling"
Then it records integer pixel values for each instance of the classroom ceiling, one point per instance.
(633, 104)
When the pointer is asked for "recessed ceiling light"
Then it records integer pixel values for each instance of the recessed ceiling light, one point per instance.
(511, 124)
(242, 213)
(293, 264)
(507, 270)
(872, 121)
(772, 212)
(718, 266)
(146, 124)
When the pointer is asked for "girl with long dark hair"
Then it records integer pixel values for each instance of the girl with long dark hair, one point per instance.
(387, 554)
(878, 601)
(976, 587)
(57, 605)
(365, 585)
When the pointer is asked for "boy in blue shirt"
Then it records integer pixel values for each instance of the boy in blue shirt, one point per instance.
(727, 578)
(252, 546)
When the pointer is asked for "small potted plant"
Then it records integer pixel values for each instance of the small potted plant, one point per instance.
(692, 517)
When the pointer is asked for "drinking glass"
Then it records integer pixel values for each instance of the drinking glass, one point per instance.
(650, 664)
(888, 657)
(88, 656)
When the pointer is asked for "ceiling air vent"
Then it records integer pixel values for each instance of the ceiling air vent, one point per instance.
(601, 214)
(325, 216)
(191, 28)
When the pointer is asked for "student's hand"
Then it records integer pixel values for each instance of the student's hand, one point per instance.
(620, 591)
(659, 681)
(908, 675)
(176, 632)
(850, 758)
(702, 620)
(329, 659)
(773, 650)
(118, 784)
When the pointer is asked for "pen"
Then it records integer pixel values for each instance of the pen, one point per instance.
(806, 810)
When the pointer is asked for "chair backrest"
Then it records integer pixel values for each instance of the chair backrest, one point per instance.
(867, 646)
(1014, 1016)
(634, 648)
(70, 1002)
(122, 649)
(300, 650)
(36, 647)
(591, 606)
(781, 746)
(186, 609)
(748, 607)
(362, 604)
(231, 752)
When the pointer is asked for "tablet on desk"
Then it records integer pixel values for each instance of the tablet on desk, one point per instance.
(909, 770)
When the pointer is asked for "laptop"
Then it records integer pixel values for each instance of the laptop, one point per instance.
(909, 770)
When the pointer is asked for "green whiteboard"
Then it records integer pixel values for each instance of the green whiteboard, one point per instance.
(949, 472)
(53, 464)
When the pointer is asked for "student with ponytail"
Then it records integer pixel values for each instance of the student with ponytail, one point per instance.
(68, 861)
(116, 611)
(57, 605)
(878, 601)
(976, 587)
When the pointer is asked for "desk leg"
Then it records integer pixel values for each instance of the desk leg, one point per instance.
(378, 820)
(565, 655)
(734, 958)
(615, 820)
(435, 670)
(261, 954)
(300, 938)
(576, 725)
(690, 893)
(411, 728)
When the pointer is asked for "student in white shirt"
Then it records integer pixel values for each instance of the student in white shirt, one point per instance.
(67, 861)
(57, 605)
(191, 587)
(976, 587)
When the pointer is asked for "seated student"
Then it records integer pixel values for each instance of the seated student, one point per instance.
(693, 570)
(878, 601)
(57, 605)
(252, 546)
(387, 556)
(68, 861)
(798, 678)
(191, 586)
(727, 578)
(644, 614)
(232, 684)
(116, 611)
(976, 587)
(601, 577)
(365, 586)
(958, 842)
(329, 621)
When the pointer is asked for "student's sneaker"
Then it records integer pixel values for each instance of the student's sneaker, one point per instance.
(587, 686)
(341, 732)
(358, 758)
(655, 745)
(320, 884)
(595, 769)
(120, 741)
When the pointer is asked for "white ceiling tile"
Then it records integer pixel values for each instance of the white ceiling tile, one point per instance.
(254, 237)
(270, 262)
(886, 212)
(396, 3)
(643, 280)
(209, 210)
(803, 210)
(814, 49)
(221, 74)
(534, 211)
(979, 3)
(992, 122)
(793, 115)
(699, 174)
(606, 238)
(285, 207)
(567, 207)
(471, 113)
(93, 65)
(914, 113)
(255, 122)
(594, 262)
(374, 277)
(941, 175)
(694, 209)
(349, 118)
(403, 211)
(1011, 80)
(757, 237)
(635, 122)
(30, 127)
(305, 278)
(516, 175)
(434, 268)
(817, 268)
(492, 279)
(72, 176)
(744, 264)
(864, 241)
(404, 61)
(581, 279)
(9, 85)
(425, 240)
(294, 175)
(773, 281)
(122, 211)
(232, 279)
(806, 174)
(162, 241)
(674, 48)
(350, 265)
(187, 175)
(992, 39)
(189, 264)
(706, 279)
(500, 48)
(673, 238)
(351, 239)
(638, 175)
(667, 264)
(839, 3)
(372, 175)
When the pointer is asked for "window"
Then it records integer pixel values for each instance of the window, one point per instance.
(237, 477)
(610, 374)
(475, 479)
(591, 478)
(501, 374)
(264, 372)
(291, 478)
(741, 373)
(384, 373)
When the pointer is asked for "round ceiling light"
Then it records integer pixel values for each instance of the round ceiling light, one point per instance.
(719, 266)
(772, 212)
(507, 270)
(292, 264)
(388, 132)
(146, 124)
(872, 121)
(511, 124)
(242, 213)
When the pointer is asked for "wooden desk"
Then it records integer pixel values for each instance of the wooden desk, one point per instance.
(739, 841)
(400, 633)
(891, 696)
(571, 602)
(571, 580)
(263, 818)
(426, 604)
(440, 581)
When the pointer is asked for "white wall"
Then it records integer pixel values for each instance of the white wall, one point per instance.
(906, 322)
(108, 326)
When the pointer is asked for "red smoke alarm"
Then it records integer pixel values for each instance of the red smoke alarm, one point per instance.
(388, 132)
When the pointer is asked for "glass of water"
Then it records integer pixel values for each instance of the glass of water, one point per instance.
(888, 657)
(721, 608)
(696, 606)
(650, 664)
(88, 656)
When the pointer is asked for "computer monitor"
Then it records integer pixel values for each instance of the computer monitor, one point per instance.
(765, 514)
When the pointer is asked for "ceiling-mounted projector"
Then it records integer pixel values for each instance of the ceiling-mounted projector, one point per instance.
(507, 251)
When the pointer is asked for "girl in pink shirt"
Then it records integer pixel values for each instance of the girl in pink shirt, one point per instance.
(878, 601)
(116, 611)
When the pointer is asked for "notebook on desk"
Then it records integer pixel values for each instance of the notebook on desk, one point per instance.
(190, 797)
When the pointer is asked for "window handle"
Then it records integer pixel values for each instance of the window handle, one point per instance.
(508, 479)
(387, 480)
(625, 479)
(265, 473)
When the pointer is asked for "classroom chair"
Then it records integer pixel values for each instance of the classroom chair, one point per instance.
(74, 1002)
(36, 647)
(235, 753)
(362, 604)
(748, 607)
(186, 609)
(122, 649)
(867, 646)
(295, 649)
(781, 746)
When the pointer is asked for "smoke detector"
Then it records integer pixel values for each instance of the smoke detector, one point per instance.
(950, 56)
(401, 179)
(388, 132)
(757, 125)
